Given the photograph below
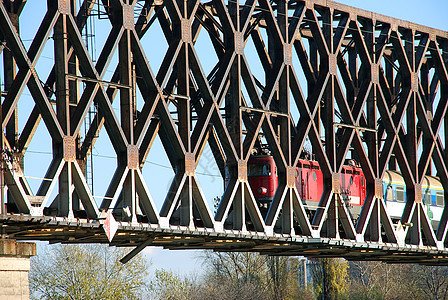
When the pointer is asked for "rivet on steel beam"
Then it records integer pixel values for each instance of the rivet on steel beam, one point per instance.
(287, 54)
(333, 64)
(291, 176)
(69, 148)
(64, 7)
(336, 183)
(379, 188)
(309, 5)
(418, 193)
(128, 16)
(432, 34)
(239, 43)
(133, 157)
(414, 82)
(186, 30)
(375, 73)
(190, 164)
(242, 170)
(18, 163)
(33, 71)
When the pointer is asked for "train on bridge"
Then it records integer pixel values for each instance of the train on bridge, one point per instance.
(263, 180)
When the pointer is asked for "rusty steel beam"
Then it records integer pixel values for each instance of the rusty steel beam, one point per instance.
(374, 88)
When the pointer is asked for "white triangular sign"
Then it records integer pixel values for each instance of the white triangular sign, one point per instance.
(110, 226)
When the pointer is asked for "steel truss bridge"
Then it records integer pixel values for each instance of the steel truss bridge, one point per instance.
(376, 88)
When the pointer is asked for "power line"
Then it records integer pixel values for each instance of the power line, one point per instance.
(113, 157)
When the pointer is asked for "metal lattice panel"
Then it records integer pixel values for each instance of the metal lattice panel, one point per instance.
(373, 86)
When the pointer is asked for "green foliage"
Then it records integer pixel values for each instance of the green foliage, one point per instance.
(94, 272)
(330, 278)
(284, 277)
(87, 272)
(432, 281)
(169, 286)
(236, 275)
(377, 280)
(249, 276)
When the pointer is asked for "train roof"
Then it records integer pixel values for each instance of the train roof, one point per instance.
(395, 177)
(261, 157)
(432, 182)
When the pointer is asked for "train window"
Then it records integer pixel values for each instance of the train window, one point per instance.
(427, 197)
(314, 175)
(351, 180)
(439, 198)
(258, 170)
(362, 180)
(389, 193)
(400, 193)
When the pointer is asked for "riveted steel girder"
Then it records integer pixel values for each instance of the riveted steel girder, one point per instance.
(346, 82)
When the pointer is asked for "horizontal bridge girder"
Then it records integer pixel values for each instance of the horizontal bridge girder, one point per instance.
(343, 109)
(178, 237)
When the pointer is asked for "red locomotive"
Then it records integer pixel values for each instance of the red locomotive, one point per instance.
(263, 179)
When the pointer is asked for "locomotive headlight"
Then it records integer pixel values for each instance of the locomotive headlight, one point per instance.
(262, 190)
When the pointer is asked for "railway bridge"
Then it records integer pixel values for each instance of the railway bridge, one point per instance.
(304, 75)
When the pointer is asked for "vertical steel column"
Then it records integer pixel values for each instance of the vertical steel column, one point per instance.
(184, 115)
(284, 54)
(233, 102)
(12, 131)
(371, 69)
(2, 163)
(127, 110)
(9, 71)
(65, 199)
(331, 181)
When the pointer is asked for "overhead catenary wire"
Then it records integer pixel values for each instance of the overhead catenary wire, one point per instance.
(107, 157)
(113, 157)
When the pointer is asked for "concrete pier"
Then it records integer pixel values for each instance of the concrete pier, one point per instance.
(14, 268)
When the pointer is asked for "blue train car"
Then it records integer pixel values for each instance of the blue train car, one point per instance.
(394, 189)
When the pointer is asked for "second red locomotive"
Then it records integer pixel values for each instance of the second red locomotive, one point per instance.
(263, 179)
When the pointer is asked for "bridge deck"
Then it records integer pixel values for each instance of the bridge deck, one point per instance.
(60, 230)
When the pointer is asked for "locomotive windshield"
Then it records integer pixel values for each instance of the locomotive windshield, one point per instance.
(258, 170)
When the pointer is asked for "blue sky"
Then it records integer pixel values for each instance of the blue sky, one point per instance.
(431, 13)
